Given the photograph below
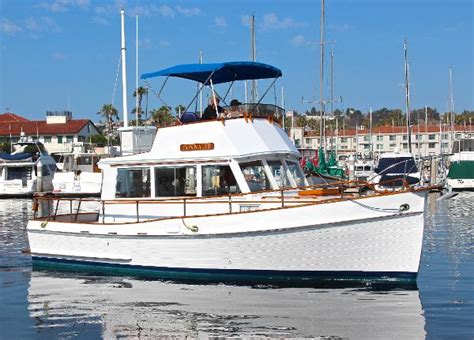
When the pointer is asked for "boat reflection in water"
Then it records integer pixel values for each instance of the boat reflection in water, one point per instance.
(64, 305)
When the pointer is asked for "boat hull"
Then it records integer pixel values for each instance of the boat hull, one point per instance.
(386, 246)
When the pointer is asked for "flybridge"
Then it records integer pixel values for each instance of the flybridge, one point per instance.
(219, 73)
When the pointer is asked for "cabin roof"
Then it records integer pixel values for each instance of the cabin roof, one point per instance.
(215, 140)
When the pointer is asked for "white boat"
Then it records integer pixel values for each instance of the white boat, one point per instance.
(461, 169)
(227, 199)
(26, 170)
(78, 173)
(361, 169)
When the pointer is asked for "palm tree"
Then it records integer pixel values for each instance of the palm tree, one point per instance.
(109, 113)
(162, 117)
(140, 92)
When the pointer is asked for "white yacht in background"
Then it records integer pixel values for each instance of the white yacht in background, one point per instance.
(226, 199)
(461, 169)
(78, 173)
(28, 169)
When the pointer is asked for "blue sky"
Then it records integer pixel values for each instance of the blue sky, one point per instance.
(62, 54)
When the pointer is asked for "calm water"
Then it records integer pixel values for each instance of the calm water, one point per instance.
(38, 304)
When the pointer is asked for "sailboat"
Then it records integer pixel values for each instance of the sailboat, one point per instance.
(397, 169)
(318, 168)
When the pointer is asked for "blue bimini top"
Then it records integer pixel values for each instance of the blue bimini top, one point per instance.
(219, 72)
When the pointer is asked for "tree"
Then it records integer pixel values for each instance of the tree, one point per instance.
(301, 121)
(162, 117)
(179, 109)
(99, 140)
(313, 124)
(109, 113)
(5, 147)
(140, 92)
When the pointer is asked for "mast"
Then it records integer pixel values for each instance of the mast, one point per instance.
(451, 105)
(370, 134)
(322, 138)
(137, 113)
(407, 96)
(124, 72)
(332, 92)
(253, 48)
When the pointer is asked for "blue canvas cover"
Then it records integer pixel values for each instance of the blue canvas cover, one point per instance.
(16, 157)
(221, 72)
(396, 165)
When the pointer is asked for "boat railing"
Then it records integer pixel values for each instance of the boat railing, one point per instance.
(71, 209)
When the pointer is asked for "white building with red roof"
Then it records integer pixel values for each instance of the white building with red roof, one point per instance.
(426, 139)
(58, 132)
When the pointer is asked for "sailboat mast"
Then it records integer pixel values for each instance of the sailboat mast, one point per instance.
(124, 71)
(451, 104)
(407, 96)
(137, 113)
(322, 140)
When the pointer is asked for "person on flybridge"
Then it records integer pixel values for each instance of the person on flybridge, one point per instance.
(212, 109)
(234, 110)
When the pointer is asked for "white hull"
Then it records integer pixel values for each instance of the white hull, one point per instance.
(18, 188)
(68, 183)
(461, 183)
(346, 238)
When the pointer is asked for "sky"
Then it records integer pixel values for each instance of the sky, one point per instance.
(64, 54)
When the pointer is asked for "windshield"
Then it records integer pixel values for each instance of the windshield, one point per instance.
(278, 171)
(296, 172)
(255, 176)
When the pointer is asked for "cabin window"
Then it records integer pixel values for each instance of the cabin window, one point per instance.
(218, 180)
(84, 160)
(278, 171)
(255, 176)
(18, 173)
(133, 182)
(175, 181)
(47, 139)
(296, 172)
(69, 139)
(60, 139)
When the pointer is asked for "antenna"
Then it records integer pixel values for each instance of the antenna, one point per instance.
(253, 55)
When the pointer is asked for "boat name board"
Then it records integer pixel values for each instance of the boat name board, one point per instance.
(196, 147)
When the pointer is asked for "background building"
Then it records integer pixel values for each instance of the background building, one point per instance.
(426, 139)
(58, 132)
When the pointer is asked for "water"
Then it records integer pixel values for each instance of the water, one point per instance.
(46, 304)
